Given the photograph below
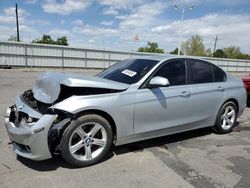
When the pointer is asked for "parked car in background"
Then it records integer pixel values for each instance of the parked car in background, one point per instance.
(81, 116)
(246, 81)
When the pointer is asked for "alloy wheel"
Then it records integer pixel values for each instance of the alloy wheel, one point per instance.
(228, 117)
(87, 141)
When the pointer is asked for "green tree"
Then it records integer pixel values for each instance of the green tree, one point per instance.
(175, 51)
(46, 39)
(232, 52)
(194, 46)
(219, 53)
(62, 41)
(152, 47)
(13, 39)
(209, 52)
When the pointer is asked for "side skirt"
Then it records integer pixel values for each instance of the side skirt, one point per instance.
(164, 132)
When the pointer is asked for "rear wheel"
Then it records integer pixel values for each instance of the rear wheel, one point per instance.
(86, 141)
(226, 118)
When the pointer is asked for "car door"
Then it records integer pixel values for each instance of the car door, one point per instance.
(164, 107)
(208, 89)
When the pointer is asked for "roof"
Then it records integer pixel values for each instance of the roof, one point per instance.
(167, 57)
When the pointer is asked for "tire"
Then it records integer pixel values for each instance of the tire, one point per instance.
(86, 141)
(226, 118)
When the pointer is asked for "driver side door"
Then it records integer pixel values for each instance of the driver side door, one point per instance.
(164, 107)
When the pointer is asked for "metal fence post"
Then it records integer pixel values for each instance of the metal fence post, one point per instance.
(26, 55)
(103, 59)
(227, 65)
(62, 58)
(246, 67)
(86, 56)
(109, 58)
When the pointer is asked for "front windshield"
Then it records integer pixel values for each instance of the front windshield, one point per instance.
(128, 71)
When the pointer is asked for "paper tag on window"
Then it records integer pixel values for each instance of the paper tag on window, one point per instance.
(129, 72)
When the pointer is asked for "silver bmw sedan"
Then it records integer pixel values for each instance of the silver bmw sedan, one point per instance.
(80, 116)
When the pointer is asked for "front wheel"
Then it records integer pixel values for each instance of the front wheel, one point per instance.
(226, 118)
(86, 140)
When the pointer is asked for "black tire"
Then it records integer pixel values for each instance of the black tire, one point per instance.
(69, 132)
(218, 127)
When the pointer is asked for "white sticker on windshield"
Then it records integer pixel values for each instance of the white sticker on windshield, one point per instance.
(129, 72)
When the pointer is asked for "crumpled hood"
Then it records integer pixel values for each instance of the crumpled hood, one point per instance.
(47, 88)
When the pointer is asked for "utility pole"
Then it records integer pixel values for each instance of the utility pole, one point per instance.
(215, 43)
(17, 25)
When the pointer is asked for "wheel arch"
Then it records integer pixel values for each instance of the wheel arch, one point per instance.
(103, 114)
(54, 144)
(228, 100)
(218, 129)
(234, 101)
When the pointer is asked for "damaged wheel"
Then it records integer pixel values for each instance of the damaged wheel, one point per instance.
(86, 141)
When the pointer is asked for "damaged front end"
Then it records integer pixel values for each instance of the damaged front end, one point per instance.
(28, 130)
(35, 128)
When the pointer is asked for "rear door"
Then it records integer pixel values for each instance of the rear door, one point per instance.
(208, 90)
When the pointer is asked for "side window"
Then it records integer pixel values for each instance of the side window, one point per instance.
(174, 71)
(219, 75)
(201, 72)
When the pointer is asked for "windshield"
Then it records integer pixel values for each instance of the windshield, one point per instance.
(128, 71)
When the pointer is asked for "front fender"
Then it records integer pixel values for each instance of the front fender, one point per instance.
(76, 104)
(120, 106)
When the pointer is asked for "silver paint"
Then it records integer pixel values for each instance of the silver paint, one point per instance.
(47, 88)
(138, 113)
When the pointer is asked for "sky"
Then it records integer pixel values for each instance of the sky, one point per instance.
(113, 24)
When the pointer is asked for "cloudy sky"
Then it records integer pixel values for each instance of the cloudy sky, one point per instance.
(113, 24)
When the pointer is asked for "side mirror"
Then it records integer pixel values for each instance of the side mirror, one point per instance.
(158, 81)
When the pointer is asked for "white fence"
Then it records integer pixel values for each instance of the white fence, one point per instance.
(36, 55)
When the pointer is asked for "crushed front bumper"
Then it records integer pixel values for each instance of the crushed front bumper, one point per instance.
(29, 140)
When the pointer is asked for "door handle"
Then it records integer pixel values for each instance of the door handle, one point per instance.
(221, 88)
(185, 94)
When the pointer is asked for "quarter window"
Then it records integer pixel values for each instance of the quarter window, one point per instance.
(174, 71)
(219, 75)
(201, 72)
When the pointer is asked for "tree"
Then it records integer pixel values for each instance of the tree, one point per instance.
(209, 52)
(232, 52)
(219, 53)
(175, 51)
(152, 47)
(46, 39)
(62, 41)
(13, 39)
(194, 46)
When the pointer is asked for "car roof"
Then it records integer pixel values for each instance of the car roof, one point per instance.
(167, 57)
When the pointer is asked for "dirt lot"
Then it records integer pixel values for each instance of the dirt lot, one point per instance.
(194, 159)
